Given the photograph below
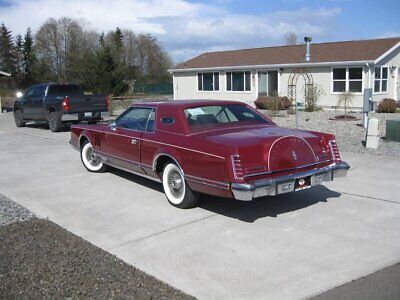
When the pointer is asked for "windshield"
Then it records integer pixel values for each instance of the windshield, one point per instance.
(215, 115)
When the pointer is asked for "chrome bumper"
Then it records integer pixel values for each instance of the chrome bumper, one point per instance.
(286, 184)
(81, 116)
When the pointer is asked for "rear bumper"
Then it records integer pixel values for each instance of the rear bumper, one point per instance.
(286, 184)
(81, 116)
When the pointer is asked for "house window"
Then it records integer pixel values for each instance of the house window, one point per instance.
(238, 81)
(347, 80)
(381, 80)
(208, 81)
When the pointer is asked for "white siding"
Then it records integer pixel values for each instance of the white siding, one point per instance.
(185, 84)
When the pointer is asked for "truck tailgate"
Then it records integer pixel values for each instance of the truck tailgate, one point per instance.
(87, 103)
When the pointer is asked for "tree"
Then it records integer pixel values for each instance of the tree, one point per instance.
(28, 58)
(103, 74)
(8, 52)
(313, 94)
(345, 99)
(290, 38)
(19, 49)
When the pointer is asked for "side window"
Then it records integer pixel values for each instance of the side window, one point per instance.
(53, 90)
(39, 91)
(135, 118)
(29, 93)
(150, 122)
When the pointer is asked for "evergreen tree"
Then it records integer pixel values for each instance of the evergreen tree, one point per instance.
(8, 54)
(28, 57)
(19, 56)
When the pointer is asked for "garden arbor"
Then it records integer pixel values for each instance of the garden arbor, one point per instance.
(292, 87)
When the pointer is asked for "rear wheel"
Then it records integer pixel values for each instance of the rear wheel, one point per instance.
(91, 161)
(177, 191)
(19, 120)
(55, 123)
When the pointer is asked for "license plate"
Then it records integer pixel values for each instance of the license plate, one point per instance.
(88, 114)
(302, 183)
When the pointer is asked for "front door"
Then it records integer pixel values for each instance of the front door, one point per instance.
(37, 107)
(268, 83)
(122, 142)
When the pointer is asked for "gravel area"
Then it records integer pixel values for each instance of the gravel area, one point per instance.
(11, 212)
(350, 135)
(40, 260)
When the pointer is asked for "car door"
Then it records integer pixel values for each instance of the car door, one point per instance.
(122, 142)
(37, 108)
(27, 103)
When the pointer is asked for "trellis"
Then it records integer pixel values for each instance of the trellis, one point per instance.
(292, 87)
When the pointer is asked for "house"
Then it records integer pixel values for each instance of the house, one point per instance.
(3, 74)
(335, 67)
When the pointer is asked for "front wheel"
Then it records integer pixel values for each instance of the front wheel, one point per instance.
(19, 120)
(91, 161)
(177, 191)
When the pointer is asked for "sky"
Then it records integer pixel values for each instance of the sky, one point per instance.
(187, 28)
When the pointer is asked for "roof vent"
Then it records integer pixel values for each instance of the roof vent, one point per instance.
(308, 40)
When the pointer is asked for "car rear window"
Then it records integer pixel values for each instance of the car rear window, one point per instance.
(65, 90)
(215, 115)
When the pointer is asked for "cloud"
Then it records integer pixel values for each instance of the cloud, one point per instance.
(390, 34)
(185, 28)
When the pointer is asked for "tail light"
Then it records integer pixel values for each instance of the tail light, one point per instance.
(65, 103)
(237, 167)
(334, 150)
(324, 145)
(107, 102)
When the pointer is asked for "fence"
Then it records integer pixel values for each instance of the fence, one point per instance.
(156, 88)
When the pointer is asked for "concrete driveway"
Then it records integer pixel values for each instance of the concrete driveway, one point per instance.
(289, 246)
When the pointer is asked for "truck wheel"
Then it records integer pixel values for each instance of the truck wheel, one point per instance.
(19, 120)
(177, 191)
(91, 162)
(55, 123)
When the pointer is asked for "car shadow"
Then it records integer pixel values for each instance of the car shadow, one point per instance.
(248, 211)
(45, 126)
(137, 179)
(271, 206)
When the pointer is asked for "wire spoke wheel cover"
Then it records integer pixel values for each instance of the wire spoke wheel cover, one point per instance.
(174, 184)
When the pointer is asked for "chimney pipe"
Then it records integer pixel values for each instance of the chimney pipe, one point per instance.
(308, 40)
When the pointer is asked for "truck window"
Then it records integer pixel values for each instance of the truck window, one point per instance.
(64, 90)
(39, 91)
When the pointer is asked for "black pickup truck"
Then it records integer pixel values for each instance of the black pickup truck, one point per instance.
(55, 103)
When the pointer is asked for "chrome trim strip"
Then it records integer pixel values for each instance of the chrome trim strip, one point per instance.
(123, 159)
(295, 168)
(133, 172)
(179, 147)
(213, 183)
(157, 142)
(288, 136)
(164, 154)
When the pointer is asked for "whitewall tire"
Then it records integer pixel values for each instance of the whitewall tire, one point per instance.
(91, 162)
(177, 191)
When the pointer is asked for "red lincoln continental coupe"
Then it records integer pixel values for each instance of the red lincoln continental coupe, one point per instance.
(222, 148)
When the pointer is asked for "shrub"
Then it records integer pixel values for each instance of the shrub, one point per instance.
(312, 97)
(272, 103)
(387, 106)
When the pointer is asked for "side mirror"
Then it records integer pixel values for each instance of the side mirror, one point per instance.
(113, 126)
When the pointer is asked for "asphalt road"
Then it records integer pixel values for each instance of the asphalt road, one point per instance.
(291, 246)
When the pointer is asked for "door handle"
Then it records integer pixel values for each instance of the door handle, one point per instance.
(134, 141)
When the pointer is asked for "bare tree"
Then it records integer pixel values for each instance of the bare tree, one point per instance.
(290, 38)
(346, 99)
